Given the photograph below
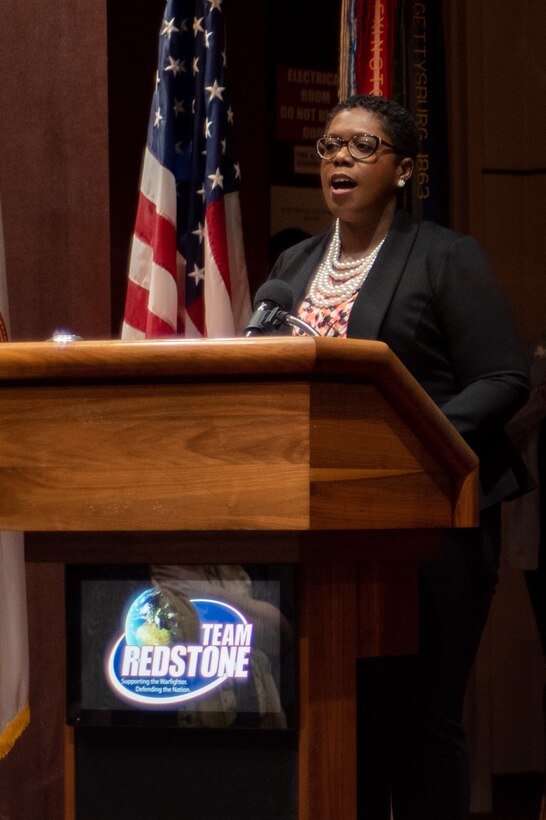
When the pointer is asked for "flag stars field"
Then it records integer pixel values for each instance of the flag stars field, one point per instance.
(198, 275)
(215, 90)
(217, 179)
(176, 66)
(168, 28)
(199, 232)
(187, 271)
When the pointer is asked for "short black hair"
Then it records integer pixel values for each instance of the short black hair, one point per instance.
(397, 120)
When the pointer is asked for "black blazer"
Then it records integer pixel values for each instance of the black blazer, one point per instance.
(431, 297)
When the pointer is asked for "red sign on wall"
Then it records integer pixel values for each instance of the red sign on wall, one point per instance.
(304, 100)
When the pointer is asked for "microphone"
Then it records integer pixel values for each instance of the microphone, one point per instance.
(272, 304)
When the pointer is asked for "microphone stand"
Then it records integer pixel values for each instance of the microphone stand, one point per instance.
(295, 322)
(273, 319)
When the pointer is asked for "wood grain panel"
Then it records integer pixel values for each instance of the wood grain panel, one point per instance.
(154, 457)
(375, 501)
(388, 590)
(388, 608)
(231, 434)
(328, 634)
(384, 475)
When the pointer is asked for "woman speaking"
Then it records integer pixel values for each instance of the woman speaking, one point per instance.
(428, 293)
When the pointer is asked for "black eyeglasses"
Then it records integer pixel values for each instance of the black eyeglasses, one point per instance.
(360, 146)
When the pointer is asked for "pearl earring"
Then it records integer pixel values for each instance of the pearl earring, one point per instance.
(401, 183)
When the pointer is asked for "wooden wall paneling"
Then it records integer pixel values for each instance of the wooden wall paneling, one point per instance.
(514, 81)
(496, 73)
(514, 237)
(54, 191)
(54, 167)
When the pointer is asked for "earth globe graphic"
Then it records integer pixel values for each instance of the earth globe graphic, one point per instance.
(151, 620)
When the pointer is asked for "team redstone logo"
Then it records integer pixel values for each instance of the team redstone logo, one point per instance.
(149, 665)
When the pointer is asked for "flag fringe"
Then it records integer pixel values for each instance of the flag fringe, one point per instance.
(14, 729)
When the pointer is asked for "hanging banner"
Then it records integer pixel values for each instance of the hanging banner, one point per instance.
(367, 44)
(425, 99)
(396, 50)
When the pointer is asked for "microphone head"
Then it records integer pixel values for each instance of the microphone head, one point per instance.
(276, 291)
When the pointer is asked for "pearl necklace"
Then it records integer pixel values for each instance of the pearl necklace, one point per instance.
(335, 281)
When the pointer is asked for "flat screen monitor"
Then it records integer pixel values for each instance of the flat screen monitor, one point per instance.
(182, 646)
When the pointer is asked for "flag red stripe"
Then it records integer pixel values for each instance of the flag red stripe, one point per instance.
(156, 327)
(157, 232)
(137, 314)
(136, 306)
(216, 229)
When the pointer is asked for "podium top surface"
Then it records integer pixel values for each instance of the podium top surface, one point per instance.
(256, 358)
(245, 413)
(186, 358)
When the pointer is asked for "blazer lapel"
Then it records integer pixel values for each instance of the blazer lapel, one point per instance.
(377, 291)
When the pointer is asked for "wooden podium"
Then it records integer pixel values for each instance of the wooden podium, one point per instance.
(322, 452)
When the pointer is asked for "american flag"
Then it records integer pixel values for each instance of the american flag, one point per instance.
(187, 271)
